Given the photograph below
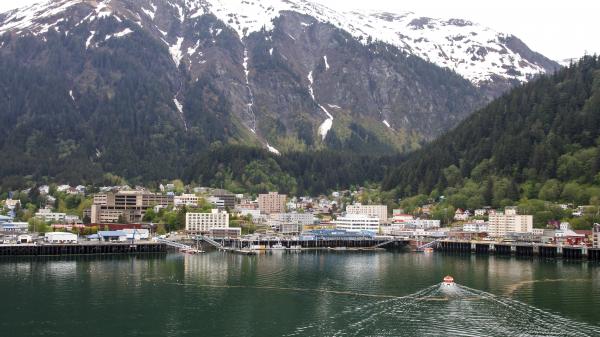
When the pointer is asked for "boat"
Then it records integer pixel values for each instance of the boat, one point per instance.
(428, 250)
(257, 247)
(448, 281)
(295, 247)
(337, 248)
(277, 246)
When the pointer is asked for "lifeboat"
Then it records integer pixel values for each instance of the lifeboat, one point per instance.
(448, 280)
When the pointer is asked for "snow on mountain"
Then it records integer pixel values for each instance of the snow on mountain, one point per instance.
(477, 53)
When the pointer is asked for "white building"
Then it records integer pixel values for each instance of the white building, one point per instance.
(46, 214)
(509, 222)
(596, 235)
(301, 219)
(11, 204)
(185, 200)
(461, 215)
(137, 233)
(379, 211)
(424, 223)
(357, 223)
(203, 222)
(476, 226)
(398, 216)
(60, 237)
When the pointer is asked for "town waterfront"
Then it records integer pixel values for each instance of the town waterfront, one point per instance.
(297, 294)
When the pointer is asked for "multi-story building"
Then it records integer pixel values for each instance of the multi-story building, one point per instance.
(509, 222)
(302, 219)
(46, 214)
(186, 200)
(272, 202)
(358, 222)
(476, 226)
(596, 236)
(227, 198)
(398, 216)
(423, 223)
(379, 211)
(126, 206)
(204, 222)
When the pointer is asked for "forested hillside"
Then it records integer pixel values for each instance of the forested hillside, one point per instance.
(541, 140)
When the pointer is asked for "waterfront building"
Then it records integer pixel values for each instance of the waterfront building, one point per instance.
(185, 200)
(46, 214)
(289, 228)
(596, 236)
(501, 224)
(272, 202)
(125, 206)
(379, 211)
(108, 236)
(302, 219)
(225, 233)
(60, 237)
(203, 222)
(358, 223)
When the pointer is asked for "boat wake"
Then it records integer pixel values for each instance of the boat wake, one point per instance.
(442, 310)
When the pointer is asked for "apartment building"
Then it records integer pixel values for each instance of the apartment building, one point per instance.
(196, 223)
(272, 202)
(379, 211)
(127, 206)
(186, 200)
(500, 224)
(46, 214)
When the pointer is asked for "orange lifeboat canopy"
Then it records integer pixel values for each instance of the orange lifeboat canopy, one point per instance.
(448, 279)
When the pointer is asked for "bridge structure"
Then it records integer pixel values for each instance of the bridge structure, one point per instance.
(209, 241)
(175, 244)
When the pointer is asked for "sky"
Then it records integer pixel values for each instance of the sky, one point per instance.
(558, 29)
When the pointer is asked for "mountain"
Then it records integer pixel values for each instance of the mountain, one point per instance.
(541, 140)
(138, 87)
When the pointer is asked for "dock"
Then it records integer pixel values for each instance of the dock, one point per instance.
(81, 249)
(522, 249)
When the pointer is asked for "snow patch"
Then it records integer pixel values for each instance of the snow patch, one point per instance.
(250, 104)
(175, 51)
(179, 107)
(148, 12)
(386, 123)
(71, 94)
(328, 123)
(326, 63)
(271, 51)
(273, 150)
(89, 39)
(122, 33)
(192, 50)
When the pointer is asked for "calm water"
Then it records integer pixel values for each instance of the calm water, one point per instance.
(298, 294)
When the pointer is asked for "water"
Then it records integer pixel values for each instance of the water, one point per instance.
(298, 294)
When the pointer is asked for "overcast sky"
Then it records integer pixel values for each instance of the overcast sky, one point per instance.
(558, 29)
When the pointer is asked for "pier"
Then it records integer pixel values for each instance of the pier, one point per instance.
(319, 243)
(581, 253)
(81, 249)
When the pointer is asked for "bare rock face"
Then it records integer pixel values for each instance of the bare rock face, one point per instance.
(286, 75)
